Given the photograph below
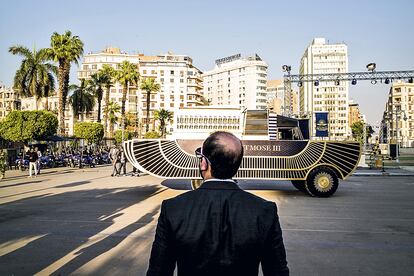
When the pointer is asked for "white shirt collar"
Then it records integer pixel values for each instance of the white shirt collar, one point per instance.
(220, 180)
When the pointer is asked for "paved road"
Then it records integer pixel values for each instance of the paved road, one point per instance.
(85, 222)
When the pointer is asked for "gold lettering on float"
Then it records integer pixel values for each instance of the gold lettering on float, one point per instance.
(262, 147)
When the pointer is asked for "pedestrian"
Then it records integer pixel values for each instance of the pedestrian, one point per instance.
(39, 155)
(122, 163)
(114, 156)
(33, 162)
(135, 171)
(3, 163)
(218, 229)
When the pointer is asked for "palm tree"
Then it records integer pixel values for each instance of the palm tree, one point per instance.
(82, 100)
(150, 86)
(126, 75)
(112, 108)
(107, 74)
(35, 76)
(164, 116)
(96, 83)
(64, 49)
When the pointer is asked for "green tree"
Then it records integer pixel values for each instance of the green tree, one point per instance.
(358, 131)
(64, 49)
(164, 116)
(127, 135)
(35, 77)
(92, 132)
(149, 86)
(81, 99)
(126, 75)
(25, 126)
(152, 135)
(113, 110)
(131, 124)
(107, 74)
(96, 83)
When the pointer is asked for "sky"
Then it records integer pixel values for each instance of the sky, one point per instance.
(278, 31)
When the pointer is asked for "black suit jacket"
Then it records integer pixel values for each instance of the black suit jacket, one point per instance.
(218, 229)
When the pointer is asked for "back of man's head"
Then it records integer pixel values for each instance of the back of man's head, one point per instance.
(225, 153)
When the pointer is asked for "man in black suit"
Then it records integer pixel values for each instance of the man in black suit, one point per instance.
(218, 229)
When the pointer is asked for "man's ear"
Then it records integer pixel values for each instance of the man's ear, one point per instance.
(203, 164)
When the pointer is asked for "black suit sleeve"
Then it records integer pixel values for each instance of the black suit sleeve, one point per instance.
(162, 260)
(274, 254)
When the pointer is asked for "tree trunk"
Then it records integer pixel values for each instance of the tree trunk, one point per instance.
(47, 103)
(148, 110)
(66, 84)
(106, 110)
(61, 110)
(99, 104)
(124, 95)
(111, 129)
(162, 126)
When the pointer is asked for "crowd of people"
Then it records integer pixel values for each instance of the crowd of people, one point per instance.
(119, 162)
(35, 158)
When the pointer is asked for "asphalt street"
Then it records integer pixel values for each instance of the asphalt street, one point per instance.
(86, 222)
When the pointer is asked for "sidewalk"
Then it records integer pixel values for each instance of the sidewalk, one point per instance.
(17, 174)
(402, 171)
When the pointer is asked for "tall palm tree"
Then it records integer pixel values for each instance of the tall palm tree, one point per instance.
(150, 86)
(96, 83)
(64, 49)
(126, 75)
(35, 77)
(107, 74)
(82, 99)
(113, 108)
(164, 116)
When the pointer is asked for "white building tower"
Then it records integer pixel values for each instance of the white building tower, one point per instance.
(332, 97)
(237, 82)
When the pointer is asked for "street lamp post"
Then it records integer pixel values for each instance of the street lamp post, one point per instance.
(397, 112)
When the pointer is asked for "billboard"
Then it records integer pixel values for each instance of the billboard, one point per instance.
(322, 124)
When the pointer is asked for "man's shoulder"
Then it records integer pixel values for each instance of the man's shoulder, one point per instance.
(240, 196)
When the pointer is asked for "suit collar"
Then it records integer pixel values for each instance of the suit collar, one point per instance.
(220, 185)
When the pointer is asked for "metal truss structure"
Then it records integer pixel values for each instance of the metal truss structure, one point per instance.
(354, 77)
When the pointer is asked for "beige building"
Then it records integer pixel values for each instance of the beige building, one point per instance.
(9, 101)
(354, 113)
(237, 81)
(275, 97)
(180, 81)
(321, 58)
(400, 104)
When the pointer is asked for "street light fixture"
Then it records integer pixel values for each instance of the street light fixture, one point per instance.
(371, 66)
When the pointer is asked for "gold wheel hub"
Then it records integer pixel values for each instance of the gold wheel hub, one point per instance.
(323, 182)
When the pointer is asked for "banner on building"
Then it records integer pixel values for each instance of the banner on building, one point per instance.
(322, 124)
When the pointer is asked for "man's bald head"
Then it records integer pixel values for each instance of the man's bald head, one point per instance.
(225, 153)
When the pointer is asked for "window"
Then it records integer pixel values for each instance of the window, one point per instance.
(162, 80)
(85, 67)
(181, 80)
(171, 80)
(94, 66)
(172, 72)
(162, 72)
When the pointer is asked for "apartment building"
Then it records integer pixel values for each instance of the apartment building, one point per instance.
(9, 101)
(237, 81)
(321, 57)
(399, 114)
(180, 81)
